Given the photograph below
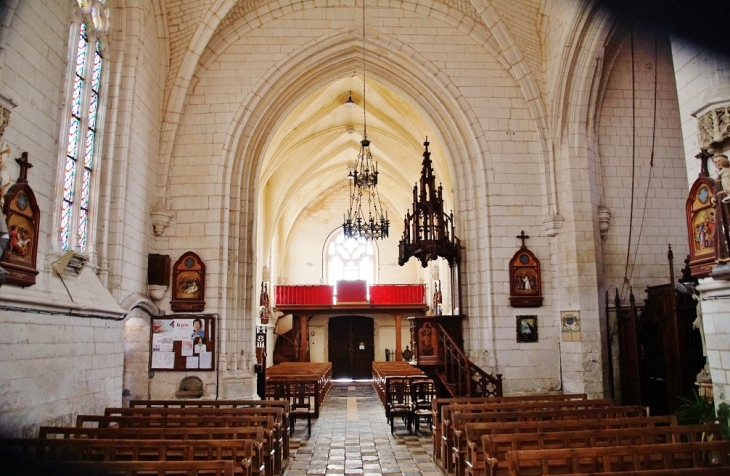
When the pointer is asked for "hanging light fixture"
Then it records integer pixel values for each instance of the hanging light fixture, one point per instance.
(350, 103)
(371, 223)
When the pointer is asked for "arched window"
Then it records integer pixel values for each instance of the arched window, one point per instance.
(83, 123)
(350, 259)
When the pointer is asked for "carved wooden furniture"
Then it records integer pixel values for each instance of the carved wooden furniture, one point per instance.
(22, 216)
(188, 278)
(700, 213)
(525, 281)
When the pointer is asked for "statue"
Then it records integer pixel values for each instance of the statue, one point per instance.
(436, 299)
(426, 342)
(722, 214)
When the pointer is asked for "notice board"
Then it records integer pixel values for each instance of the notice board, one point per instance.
(184, 342)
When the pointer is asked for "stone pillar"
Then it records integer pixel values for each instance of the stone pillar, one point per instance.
(715, 301)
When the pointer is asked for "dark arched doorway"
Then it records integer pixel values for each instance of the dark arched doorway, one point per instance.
(351, 346)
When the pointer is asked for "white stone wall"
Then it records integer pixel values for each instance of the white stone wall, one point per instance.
(54, 365)
(659, 192)
(134, 113)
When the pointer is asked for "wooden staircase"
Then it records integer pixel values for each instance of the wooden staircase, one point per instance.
(461, 377)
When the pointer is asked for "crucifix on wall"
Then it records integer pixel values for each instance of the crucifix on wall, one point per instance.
(524, 277)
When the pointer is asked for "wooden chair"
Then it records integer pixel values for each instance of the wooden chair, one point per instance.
(399, 402)
(301, 396)
(422, 394)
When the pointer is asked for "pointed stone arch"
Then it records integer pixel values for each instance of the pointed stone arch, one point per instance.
(309, 67)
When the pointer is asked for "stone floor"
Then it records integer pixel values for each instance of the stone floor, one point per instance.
(351, 436)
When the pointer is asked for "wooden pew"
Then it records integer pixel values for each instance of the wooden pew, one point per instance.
(120, 468)
(460, 419)
(474, 459)
(263, 447)
(172, 418)
(495, 447)
(383, 370)
(621, 459)
(280, 438)
(241, 452)
(318, 375)
(438, 403)
(450, 437)
(244, 403)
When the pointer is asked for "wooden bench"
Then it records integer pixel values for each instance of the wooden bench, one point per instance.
(317, 375)
(242, 453)
(460, 419)
(281, 439)
(384, 370)
(119, 468)
(244, 417)
(495, 447)
(238, 403)
(621, 459)
(474, 459)
(448, 433)
(438, 403)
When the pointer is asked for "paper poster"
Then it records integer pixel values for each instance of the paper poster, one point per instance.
(186, 350)
(206, 360)
(162, 343)
(180, 329)
(198, 348)
(191, 363)
(163, 360)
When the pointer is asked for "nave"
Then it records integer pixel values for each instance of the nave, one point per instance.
(352, 436)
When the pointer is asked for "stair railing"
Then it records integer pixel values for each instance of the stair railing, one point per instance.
(465, 378)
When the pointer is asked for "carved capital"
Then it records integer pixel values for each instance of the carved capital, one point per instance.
(714, 127)
(6, 106)
(553, 224)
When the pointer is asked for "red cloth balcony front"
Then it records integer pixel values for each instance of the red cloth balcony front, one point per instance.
(352, 291)
(314, 295)
(397, 294)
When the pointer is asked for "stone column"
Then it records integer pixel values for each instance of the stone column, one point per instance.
(715, 301)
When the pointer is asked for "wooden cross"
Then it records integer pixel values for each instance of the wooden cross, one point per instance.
(24, 166)
(522, 237)
(703, 156)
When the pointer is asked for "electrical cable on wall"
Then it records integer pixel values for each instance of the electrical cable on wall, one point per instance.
(651, 162)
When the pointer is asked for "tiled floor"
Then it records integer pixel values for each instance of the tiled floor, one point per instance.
(351, 436)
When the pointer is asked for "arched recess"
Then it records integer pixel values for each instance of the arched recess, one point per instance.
(317, 63)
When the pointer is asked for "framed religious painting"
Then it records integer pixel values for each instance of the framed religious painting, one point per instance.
(524, 278)
(700, 213)
(22, 216)
(188, 277)
(526, 328)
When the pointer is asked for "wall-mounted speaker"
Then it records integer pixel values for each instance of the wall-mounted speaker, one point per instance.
(158, 269)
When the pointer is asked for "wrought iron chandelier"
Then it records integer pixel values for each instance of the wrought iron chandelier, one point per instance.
(365, 218)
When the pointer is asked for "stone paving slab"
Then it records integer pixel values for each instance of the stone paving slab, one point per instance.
(352, 436)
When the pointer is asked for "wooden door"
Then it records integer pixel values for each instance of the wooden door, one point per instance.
(351, 347)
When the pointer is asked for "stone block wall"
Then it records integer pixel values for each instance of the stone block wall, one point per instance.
(54, 367)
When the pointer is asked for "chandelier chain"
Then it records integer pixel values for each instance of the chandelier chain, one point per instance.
(363, 176)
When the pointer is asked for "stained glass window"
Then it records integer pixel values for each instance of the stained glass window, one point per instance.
(82, 134)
